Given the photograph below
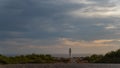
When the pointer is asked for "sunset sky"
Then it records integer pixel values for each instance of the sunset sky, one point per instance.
(54, 26)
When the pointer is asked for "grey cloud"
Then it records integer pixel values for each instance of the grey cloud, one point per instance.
(48, 20)
(38, 17)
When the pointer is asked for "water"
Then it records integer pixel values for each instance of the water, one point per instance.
(61, 66)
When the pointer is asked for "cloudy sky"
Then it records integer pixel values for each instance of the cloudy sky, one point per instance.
(53, 26)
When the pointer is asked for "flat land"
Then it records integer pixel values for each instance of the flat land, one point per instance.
(61, 66)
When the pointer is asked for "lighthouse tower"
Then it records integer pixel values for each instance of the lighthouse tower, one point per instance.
(70, 51)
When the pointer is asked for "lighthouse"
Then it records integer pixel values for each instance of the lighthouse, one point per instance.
(70, 53)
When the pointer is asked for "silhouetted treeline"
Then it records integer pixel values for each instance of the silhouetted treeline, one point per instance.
(24, 59)
(110, 57)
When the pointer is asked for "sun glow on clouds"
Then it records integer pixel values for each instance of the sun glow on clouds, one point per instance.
(95, 46)
(62, 45)
(102, 41)
(77, 45)
(83, 43)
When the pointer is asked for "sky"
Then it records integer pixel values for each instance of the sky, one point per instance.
(54, 26)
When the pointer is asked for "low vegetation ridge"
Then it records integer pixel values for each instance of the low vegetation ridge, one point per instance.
(23, 59)
(110, 57)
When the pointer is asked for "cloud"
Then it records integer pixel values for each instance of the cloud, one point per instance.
(36, 19)
(60, 46)
(83, 43)
(96, 46)
(98, 9)
(110, 27)
(108, 10)
(82, 1)
(102, 41)
(35, 25)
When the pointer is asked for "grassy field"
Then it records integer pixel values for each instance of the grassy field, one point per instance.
(61, 66)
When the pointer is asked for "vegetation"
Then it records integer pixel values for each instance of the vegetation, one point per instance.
(63, 60)
(24, 59)
(110, 57)
(94, 58)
